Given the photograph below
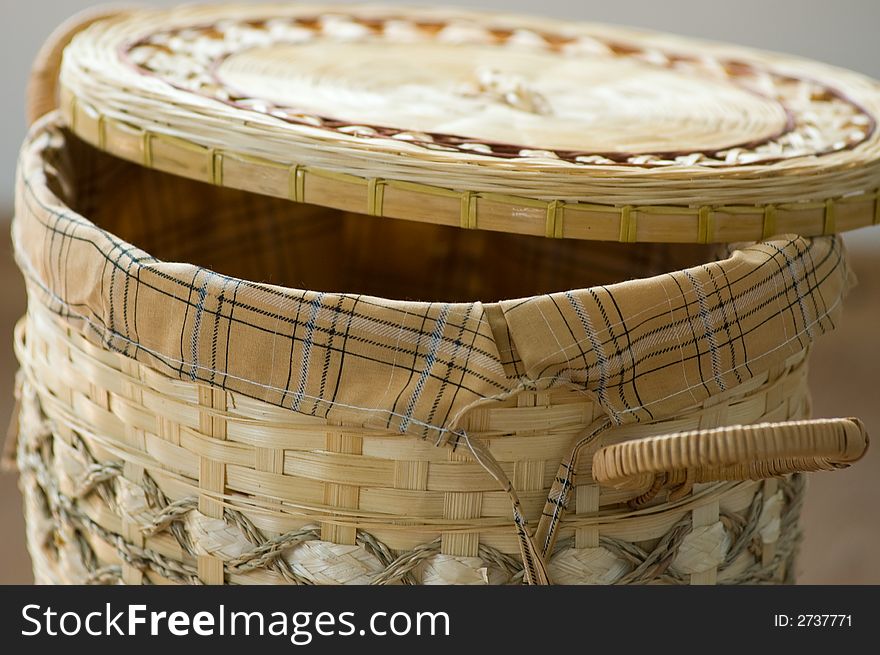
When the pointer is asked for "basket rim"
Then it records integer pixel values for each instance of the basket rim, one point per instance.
(546, 336)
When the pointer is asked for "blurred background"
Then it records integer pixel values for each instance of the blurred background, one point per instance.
(841, 518)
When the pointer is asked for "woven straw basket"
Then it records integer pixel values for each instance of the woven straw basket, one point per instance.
(636, 412)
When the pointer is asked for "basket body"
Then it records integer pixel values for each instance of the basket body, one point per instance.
(136, 473)
(118, 462)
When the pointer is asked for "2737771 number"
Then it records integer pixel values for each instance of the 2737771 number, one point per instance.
(812, 620)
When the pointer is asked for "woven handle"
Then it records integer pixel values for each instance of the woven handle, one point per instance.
(42, 90)
(739, 452)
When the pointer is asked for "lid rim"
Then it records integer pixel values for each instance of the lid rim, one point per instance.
(777, 184)
(468, 209)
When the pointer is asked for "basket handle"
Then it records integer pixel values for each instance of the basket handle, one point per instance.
(738, 452)
(42, 90)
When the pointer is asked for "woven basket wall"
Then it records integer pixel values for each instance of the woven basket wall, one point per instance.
(117, 466)
(133, 474)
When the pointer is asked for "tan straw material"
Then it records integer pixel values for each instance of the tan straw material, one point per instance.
(519, 125)
(734, 452)
(306, 501)
(221, 386)
(180, 424)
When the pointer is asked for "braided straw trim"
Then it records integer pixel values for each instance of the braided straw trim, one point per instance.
(680, 552)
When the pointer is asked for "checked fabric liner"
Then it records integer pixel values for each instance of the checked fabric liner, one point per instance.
(645, 349)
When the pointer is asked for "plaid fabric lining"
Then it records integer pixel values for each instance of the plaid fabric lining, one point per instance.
(646, 348)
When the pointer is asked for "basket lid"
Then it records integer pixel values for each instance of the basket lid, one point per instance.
(487, 121)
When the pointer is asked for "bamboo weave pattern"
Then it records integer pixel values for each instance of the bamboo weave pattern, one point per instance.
(152, 472)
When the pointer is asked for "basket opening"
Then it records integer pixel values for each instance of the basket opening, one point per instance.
(309, 247)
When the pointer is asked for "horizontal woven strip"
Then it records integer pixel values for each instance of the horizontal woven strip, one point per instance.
(711, 221)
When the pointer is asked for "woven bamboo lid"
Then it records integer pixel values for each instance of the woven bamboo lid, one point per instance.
(487, 121)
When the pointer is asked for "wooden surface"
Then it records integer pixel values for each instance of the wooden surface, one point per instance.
(840, 517)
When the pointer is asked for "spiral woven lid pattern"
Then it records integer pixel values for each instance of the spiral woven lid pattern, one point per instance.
(508, 123)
